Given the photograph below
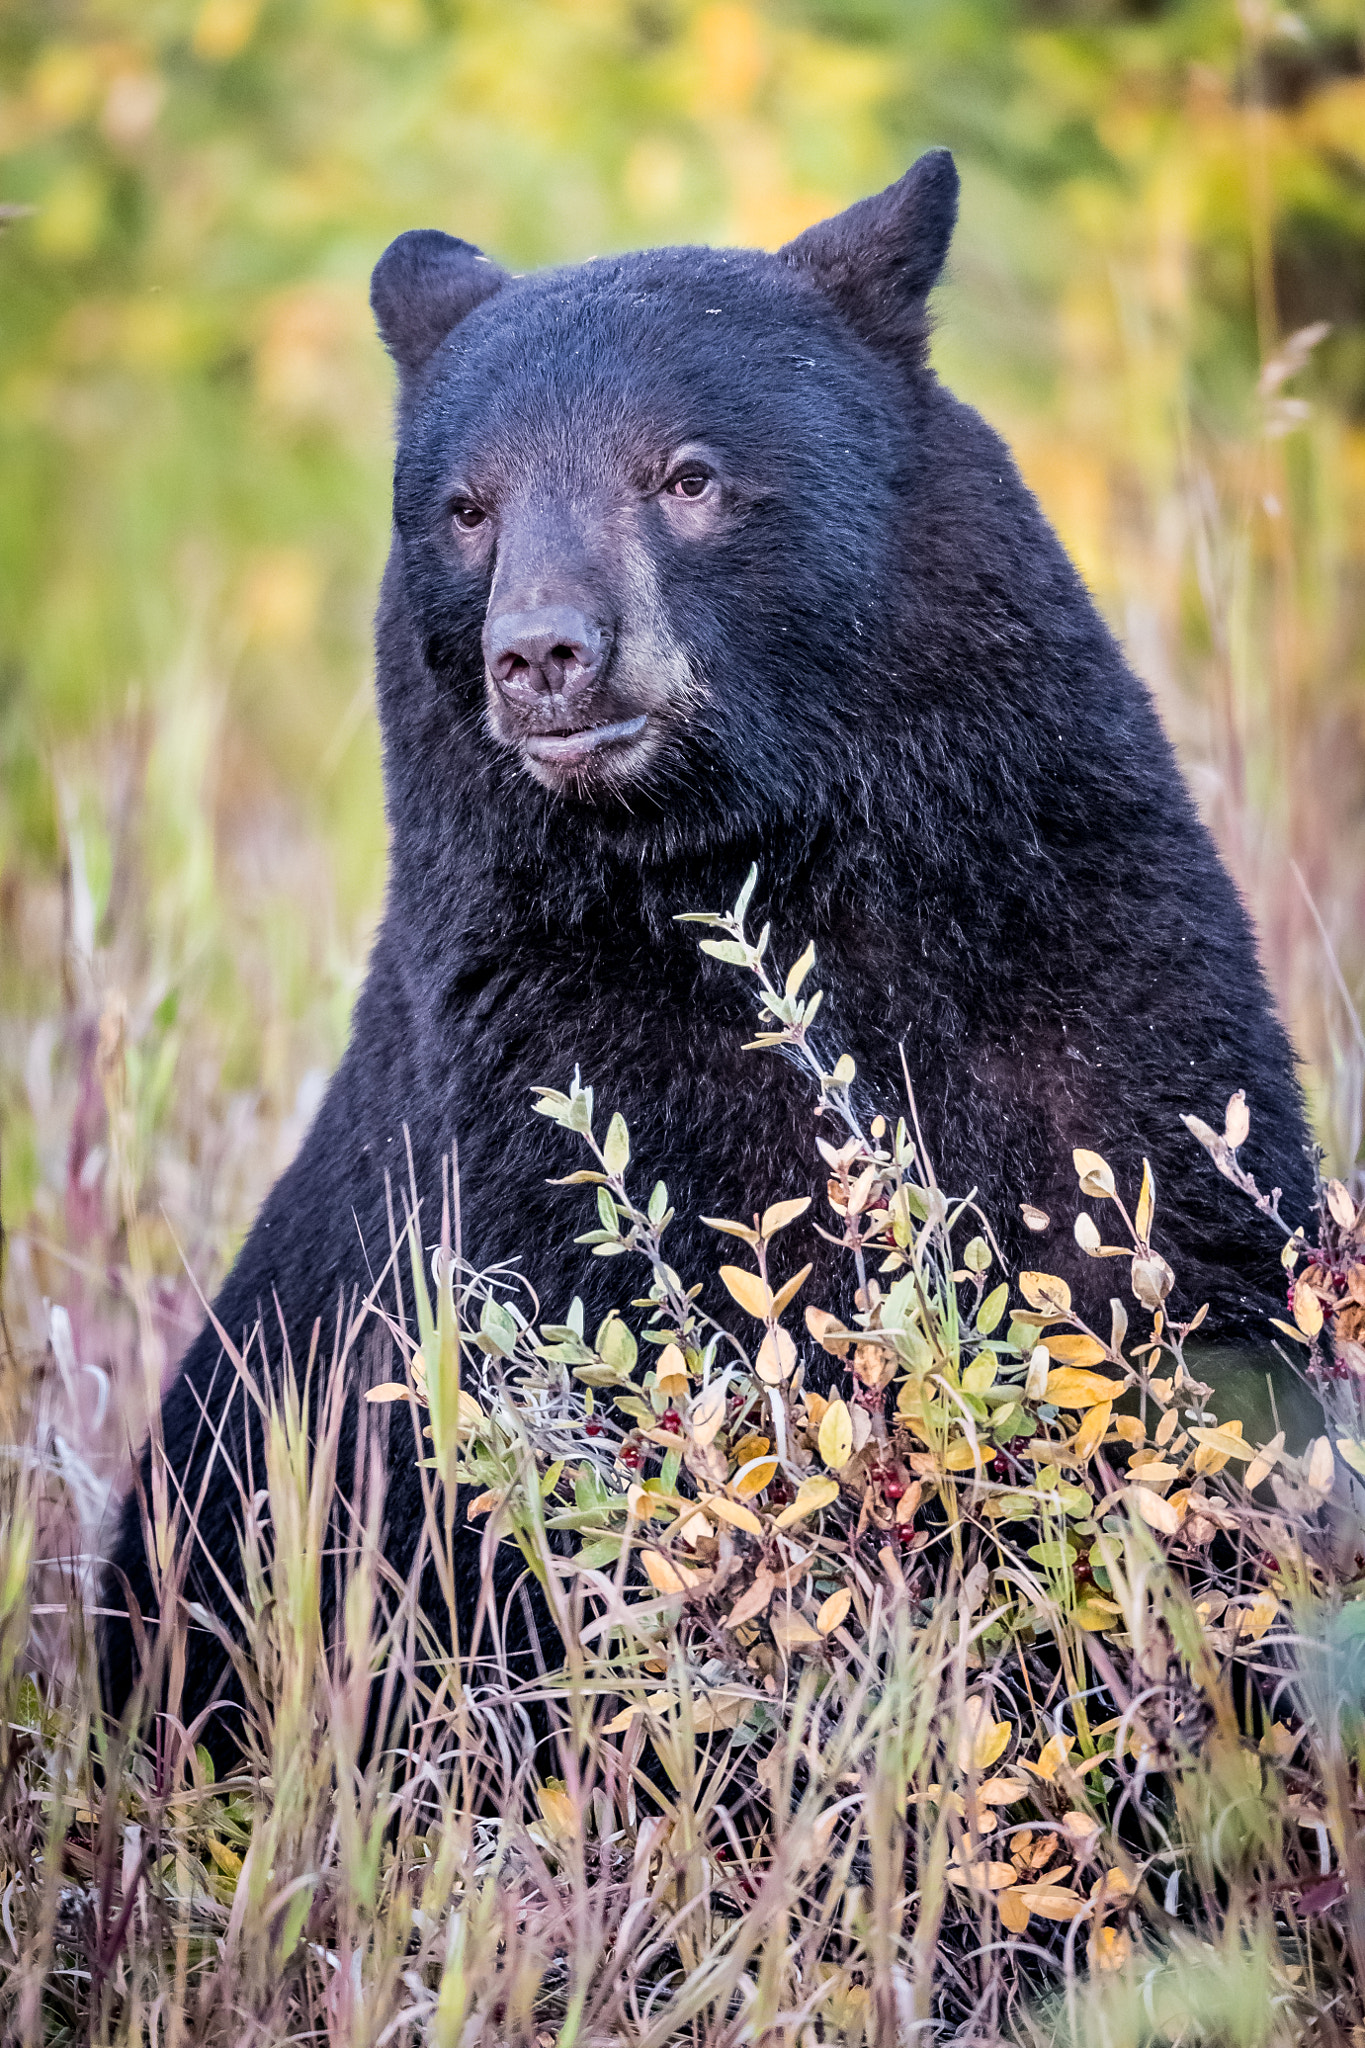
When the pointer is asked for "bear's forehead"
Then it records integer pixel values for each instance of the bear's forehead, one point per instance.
(621, 351)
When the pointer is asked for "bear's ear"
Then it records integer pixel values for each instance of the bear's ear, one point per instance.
(879, 260)
(423, 285)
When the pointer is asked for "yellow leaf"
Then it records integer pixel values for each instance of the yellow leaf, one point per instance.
(664, 1575)
(1075, 1348)
(1226, 1439)
(1069, 1387)
(828, 1332)
(558, 1811)
(753, 1477)
(1090, 1435)
(986, 1876)
(1320, 1464)
(670, 1373)
(1130, 1429)
(1013, 1912)
(730, 1511)
(1111, 1884)
(1086, 1234)
(228, 1861)
(706, 1415)
(1159, 1514)
(1307, 1308)
(656, 1703)
(481, 1506)
(751, 1447)
(1034, 1217)
(836, 1435)
(1153, 1471)
(1111, 1948)
(781, 1214)
(1080, 1826)
(715, 1710)
(1256, 1619)
(1002, 1791)
(1044, 1291)
(390, 1391)
(748, 1290)
(1051, 1901)
(833, 1611)
(980, 1740)
(1094, 1615)
(1039, 1365)
(1051, 1757)
(752, 1603)
(744, 1230)
(1265, 1461)
(788, 1291)
(776, 1359)
(811, 1496)
(1094, 1173)
(1342, 1207)
(1146, 1204)
(794, 1632)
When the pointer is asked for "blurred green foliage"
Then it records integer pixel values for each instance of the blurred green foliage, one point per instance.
(194, 419)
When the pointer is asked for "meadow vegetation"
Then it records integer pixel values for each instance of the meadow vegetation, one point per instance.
(1018, 1692)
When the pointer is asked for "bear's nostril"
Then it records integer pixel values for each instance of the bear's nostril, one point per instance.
(562, 653)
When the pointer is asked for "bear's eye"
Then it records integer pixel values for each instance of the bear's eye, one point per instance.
(689, 483)
(466, 515)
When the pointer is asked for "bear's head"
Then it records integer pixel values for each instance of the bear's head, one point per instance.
(644, 508)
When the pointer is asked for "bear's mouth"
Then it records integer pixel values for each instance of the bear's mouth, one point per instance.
(567, 749)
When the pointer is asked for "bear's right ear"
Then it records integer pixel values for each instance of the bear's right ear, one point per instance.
(879, 260)
(423, 285)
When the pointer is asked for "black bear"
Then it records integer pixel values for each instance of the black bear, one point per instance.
(695, 564)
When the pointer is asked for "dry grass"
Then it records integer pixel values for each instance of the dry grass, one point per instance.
(1009, 1697)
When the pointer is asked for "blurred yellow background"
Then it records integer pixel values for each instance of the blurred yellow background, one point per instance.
(1157, 293)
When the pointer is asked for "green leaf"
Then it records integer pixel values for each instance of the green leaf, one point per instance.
(992, 1308)
(499, 1327)
(745, 894)
(593, 1556)
(977, 1256)
(608, 1211)
(727, 950)
(658, 1204)
(616, 1344)
(616, 1150)
(669, 1470)
(601, 1375)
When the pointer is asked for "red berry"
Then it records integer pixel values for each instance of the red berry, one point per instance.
(592, 1427)
(671, 1421)
(1000, 1466)
(1082, 1571)
(894, 1488)
(906, 1532)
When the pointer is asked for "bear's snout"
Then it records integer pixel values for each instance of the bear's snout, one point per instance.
(546, 660)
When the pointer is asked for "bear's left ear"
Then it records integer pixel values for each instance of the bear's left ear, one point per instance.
(423, 285)
(879, 260)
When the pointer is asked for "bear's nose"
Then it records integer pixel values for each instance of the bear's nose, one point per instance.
(555, 651)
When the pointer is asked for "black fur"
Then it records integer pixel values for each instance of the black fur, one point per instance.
(864, 662)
